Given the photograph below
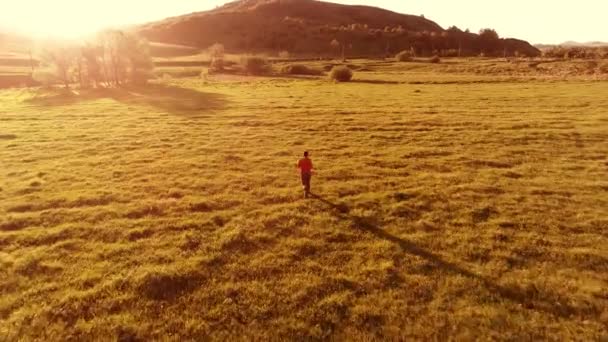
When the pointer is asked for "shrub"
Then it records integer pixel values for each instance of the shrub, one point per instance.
(341, 73)
(284, 54)
(435, 59)
(404, 56)
(300, 69)
(255, 65)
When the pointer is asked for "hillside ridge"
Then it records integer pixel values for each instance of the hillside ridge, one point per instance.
(308, 27)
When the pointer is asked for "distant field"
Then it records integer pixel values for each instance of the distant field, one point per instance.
(6, 70)
(15, 69)
(449, 204)
(171, 50)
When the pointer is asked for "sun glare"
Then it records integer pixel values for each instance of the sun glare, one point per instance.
(61, 30)
(71, 19)
(63, 19)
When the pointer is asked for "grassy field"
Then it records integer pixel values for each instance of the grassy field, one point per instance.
(457, 205)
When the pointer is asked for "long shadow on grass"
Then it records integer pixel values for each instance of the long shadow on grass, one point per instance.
(175, 100)
(529, 297)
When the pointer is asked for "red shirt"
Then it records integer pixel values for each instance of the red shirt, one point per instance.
(305, 165)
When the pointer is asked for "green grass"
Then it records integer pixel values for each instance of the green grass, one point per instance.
(457, 209)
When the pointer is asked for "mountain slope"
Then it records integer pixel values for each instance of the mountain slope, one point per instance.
(308, 26)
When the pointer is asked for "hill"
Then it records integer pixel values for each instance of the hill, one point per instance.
(308, 27)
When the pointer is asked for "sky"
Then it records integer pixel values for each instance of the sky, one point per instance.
(537, 21)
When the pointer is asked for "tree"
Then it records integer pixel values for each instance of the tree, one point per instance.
(216, 52)
(434, 39)
(489, 34)
(335, 45)
(489, 41)
(454, 38)
(114, 61)
(126, 57)
(91, 58)
(115, 57)
(61, 59)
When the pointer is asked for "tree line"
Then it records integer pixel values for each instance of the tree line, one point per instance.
(113, 58)
(304, 37)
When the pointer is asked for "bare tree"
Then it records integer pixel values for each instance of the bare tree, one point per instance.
(92, 59)
(61, 59)
(126, 57)
(335, 45)
(115, 57)
(137, 52)
(216, 52)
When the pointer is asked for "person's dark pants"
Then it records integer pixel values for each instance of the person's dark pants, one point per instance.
(306, 183)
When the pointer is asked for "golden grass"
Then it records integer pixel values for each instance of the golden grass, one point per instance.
(459, 210)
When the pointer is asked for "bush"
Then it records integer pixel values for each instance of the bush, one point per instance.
(404, 56)
(300, 69)
(341, 73)
(255, 65)
(435, 59)
(284, 55)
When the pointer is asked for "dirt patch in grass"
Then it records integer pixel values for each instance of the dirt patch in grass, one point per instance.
(168, 285)
(482, 215)
(146, 211)
(490, 164)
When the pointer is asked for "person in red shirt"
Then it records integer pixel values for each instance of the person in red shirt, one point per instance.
(305, 166)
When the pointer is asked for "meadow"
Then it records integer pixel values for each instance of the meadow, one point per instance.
(448, 204)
